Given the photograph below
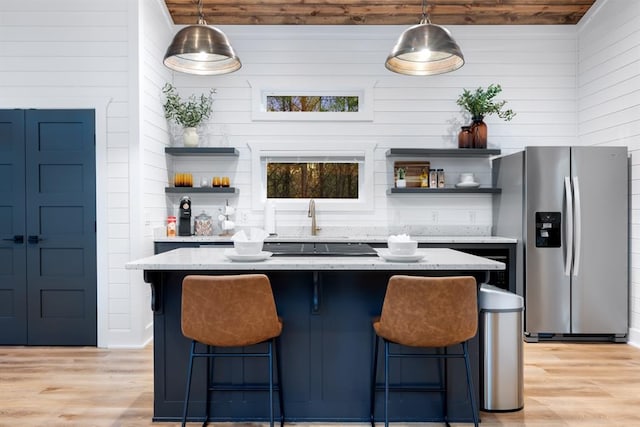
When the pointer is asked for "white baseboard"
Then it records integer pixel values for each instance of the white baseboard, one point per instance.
(634, 337)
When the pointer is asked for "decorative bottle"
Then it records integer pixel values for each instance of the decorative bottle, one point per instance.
(465, 137)
(479, 132)
(440, 176)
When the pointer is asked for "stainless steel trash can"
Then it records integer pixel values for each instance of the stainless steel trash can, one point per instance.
(501, 330)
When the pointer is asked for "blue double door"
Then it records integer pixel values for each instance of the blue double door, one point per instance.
(48, 292)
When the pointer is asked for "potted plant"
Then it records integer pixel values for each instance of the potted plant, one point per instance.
(400, 179)
(479, 104)
(189, 113)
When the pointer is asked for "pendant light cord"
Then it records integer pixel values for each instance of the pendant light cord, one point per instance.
(201, 20)
(425, 17)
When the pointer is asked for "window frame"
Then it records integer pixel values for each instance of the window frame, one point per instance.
(261, 88)
(313, 151)
(318, 161)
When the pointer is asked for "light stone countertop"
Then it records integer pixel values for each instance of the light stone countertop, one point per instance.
(331, 239)
(214, 259)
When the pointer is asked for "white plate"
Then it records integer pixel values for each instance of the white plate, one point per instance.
(468, 184)
(234, 256)
(388, 256)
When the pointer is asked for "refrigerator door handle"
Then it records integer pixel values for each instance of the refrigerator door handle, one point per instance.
(568, 231)
(578, 227)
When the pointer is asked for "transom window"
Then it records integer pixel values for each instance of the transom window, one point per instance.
(322, 103)
(291, 98)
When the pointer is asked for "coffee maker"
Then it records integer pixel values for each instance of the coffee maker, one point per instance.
(184, 226)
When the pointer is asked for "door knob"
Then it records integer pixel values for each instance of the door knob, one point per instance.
(35, 239)
(15, 239)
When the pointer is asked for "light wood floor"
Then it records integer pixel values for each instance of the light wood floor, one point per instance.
(565, 385)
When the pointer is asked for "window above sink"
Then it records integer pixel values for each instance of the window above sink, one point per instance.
(359, 155)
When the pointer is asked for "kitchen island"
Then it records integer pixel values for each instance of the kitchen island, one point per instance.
(326, 303)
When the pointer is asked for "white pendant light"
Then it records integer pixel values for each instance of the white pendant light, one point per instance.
(201, 49)
(425, 49)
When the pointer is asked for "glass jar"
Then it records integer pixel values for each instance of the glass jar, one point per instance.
(203, 225)
(440, 178)
(465, 137)
(433, 178)
(479, 132)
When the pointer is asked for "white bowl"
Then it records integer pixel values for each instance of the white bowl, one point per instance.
(249, 247)
(467, 177)
(403, 248)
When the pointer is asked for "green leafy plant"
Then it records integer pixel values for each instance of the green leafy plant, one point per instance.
(401, 173)
(187, 113)
(481, 102)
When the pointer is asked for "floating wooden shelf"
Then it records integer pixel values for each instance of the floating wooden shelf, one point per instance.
(443, 152)
(207, 190)
(201, 151)
(479, 190)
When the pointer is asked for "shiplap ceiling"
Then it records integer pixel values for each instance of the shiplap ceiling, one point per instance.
(380, 12)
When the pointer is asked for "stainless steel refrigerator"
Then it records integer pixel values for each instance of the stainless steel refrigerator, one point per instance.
(569, 209)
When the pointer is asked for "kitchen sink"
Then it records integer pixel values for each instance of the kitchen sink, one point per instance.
(320, 249)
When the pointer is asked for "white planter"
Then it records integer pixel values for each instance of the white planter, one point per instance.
(190, 137)
(401, 183)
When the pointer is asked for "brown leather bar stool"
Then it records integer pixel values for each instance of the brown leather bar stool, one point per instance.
(231, 311)
(426, 312)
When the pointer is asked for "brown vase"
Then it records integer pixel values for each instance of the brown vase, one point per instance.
(479, 132)
(465, 137)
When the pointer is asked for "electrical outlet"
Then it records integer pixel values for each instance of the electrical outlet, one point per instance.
(434, 217)
(472, 217)
(243, 217)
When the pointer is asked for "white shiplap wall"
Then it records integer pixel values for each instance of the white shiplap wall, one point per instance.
(148, 164)
(609, 106)
(79, 54)
(534, 65)
(106, 55)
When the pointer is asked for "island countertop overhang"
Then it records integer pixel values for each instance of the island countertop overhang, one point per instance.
(374, 239)
(213, 259)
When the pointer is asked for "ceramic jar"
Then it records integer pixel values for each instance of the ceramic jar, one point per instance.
(190, 137)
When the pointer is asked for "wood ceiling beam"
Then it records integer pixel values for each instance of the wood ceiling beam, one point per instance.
(380, 12)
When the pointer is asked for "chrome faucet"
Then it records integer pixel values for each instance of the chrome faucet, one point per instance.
(312, 214)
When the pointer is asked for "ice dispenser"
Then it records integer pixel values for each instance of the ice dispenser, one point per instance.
(548, 233)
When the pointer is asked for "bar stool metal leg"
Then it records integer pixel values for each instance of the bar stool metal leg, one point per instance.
(386, 383)
(374, 371)
(188, 390)
(474, 410)
(279, 368)
(207, 401)
(445, 395)
(270, 358)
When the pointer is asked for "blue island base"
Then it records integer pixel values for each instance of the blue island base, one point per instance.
(326, 350)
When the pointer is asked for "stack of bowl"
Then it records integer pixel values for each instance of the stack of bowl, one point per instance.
(248, 247)
(402, 247)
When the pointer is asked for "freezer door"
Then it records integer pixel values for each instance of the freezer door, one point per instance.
(547, 288)
(600, 277)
